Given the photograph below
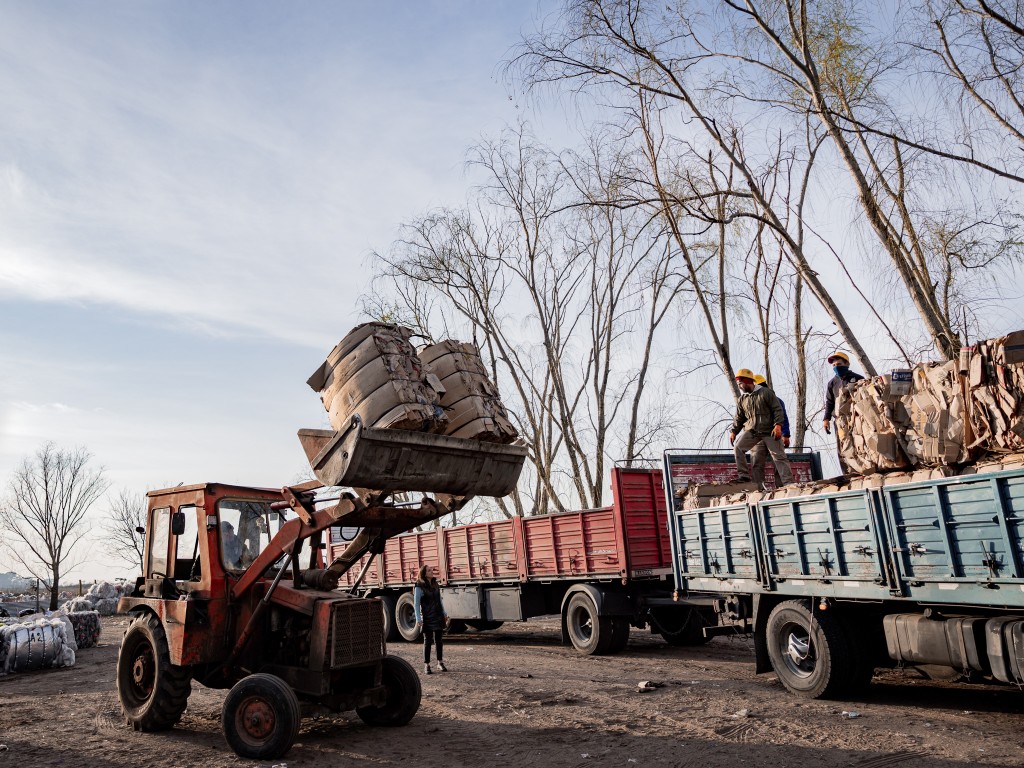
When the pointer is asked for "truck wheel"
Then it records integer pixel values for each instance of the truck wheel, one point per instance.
(811, 659)
(153, 692)
(483, 625)
(391, 634)
(403, 694)
(680, 626)
(405, 617)
(589, 632)
(261, 717)
(620, 634)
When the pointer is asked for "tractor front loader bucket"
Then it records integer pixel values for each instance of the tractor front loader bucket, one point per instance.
(399, 460)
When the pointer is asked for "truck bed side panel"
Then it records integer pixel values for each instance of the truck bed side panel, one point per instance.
(639, 494)
(572, 545)
(960, 539)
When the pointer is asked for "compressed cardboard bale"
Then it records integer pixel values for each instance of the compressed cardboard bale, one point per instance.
(994, 373)
(375, 373)
(865, 428)
(701, 495)
(470, 399)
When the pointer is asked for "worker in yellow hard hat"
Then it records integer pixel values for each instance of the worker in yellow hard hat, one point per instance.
(840, 362)
(759, 454)
(759, 414)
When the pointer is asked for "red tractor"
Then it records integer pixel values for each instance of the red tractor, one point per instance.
(225, 599)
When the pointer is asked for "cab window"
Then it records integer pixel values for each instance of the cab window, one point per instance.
(160, 527)
(245, 529)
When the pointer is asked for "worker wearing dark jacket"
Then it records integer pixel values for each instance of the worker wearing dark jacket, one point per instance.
(759, 415)
(840, 363)
(759, 454)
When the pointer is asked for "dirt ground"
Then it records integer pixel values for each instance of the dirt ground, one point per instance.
(517, 698)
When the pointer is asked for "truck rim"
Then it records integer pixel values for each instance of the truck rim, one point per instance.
(582, 623)
(798, 652)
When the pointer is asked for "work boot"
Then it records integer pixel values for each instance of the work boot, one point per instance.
(427, 670)
(441, 666)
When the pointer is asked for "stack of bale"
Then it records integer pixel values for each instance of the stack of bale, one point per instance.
(102, 598)
(375, 373)
(469, 398)
(937, 414)
(994, 375)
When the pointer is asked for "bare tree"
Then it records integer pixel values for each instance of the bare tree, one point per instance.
(127, 514)
(564, 289)
(44, 511)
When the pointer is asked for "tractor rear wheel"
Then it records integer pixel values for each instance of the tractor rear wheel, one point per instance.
(403, 694)
(153, 692)
(261, 717)
(405, 617)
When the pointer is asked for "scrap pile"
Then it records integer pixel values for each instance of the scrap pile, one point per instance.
(376, 373)
(936, 414)
(102, 598)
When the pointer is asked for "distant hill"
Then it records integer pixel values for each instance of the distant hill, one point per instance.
(12, 582)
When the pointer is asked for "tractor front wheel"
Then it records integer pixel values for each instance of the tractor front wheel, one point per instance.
(153, 692)
(261, 717)
(404, 692)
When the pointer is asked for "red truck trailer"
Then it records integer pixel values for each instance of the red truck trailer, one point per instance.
(603, 570)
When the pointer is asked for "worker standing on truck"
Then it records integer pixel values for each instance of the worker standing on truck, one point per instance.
(430, 617)
(760, 416)
(840, 363)
(759, 454)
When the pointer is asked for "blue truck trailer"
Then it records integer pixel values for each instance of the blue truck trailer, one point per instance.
(834, 584)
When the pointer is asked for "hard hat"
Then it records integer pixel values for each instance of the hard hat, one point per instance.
(839, 356)
(745, 373)
(759, 379)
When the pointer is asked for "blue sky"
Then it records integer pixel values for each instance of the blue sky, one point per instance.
(188, 195)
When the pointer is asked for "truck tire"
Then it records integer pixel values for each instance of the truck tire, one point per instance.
(391, 634)
(680, 626)
(405, 617)
(589, 632)
(260, 717)
(152, 691)
(403, 695)
(456, 627)
(620, 634)
(811, 658)
(483, 625)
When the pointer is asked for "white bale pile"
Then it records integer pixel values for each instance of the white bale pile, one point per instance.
(374, 372)
(469, 398)
(102, 597)
(39, 643)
